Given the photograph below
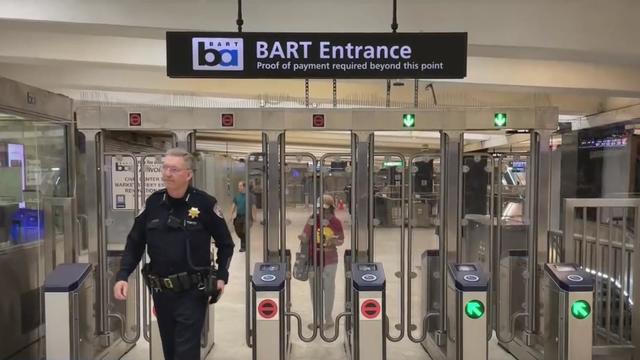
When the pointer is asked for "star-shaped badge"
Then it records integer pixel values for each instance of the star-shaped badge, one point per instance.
(194, 212)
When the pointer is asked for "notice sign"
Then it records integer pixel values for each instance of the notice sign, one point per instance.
(317, 55)
(122, 181)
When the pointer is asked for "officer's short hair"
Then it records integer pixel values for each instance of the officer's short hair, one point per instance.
(185, 155)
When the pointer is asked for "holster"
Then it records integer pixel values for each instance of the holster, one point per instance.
(211, 286)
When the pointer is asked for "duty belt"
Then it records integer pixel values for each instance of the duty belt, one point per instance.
(176, 282)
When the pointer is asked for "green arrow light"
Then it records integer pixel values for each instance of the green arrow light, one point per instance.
(474, 309)
(580, 309)
(408, 120)
(500, 119)
(386, 164)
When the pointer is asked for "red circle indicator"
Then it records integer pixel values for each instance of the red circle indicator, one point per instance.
(135, 119)
(227, 120)
(318, 120)
(267, 308)
(370, 309)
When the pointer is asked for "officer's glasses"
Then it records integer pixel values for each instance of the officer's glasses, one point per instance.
(171, 169)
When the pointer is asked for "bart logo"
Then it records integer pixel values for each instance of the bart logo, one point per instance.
(218, 54)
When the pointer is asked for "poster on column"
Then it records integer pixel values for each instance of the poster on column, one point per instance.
(122, 181)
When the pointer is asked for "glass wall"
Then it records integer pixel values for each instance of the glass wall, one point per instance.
(33, 169)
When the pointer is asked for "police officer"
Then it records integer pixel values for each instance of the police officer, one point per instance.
(176, 227)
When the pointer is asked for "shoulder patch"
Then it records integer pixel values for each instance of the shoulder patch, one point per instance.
(218, 211)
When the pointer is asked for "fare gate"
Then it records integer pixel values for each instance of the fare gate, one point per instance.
(368, 307)
(268, 294)
(569, 324)
(362, 124)
(64, 319)
(467, 286)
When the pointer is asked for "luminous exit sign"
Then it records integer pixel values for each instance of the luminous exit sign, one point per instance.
(408, 120)
(500, 120)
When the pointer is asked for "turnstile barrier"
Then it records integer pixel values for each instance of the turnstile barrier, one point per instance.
(467, 287)
(268, 300)
(568, 320)
(367, 336)
(62, 289)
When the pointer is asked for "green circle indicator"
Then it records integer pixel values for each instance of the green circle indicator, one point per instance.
(580, 309)
(474, 309)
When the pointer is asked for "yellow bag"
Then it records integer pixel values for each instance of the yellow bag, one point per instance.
(327, 234)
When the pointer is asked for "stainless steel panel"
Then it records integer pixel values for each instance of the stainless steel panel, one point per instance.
(24, 99)
(362, 196)
(59, 231)
(579, 332)
(472, 343)
(459, 118)
(552, 322)
(273, 145)
(451, 174)
(21, 320)
(565, 338)
(370, 341)
(269, 334)
(466, 337)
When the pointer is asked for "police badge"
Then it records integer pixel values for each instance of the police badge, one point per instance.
(194, 212)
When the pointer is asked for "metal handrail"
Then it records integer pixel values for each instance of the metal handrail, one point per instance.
(496, 270)
(136, 209)
(409, 267)
(401, 325)
(146, 301)
(289, 313)
(102, 242)
(283, 201)
(319, 279)
(581, 241)
(247, 268)
(120, 317)
(514, 318)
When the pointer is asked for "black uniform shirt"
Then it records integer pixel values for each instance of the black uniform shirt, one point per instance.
(194, 218)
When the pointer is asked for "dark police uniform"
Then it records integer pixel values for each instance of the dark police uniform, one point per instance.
(168, 227)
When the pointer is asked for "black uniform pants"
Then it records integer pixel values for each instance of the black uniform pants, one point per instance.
(238, 225)
(180, 320)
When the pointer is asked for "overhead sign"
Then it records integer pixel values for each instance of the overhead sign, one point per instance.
(267, 309)
(317, 55)
(122, 181)
(370, 309)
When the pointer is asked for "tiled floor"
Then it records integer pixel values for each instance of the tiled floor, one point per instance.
(230, 311)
